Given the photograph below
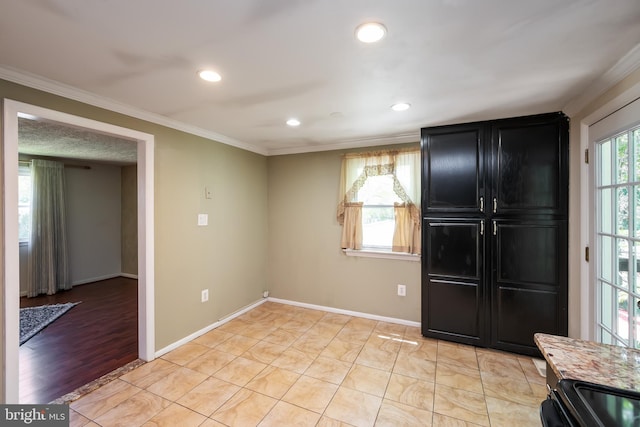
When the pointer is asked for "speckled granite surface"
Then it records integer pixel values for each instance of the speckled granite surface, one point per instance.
(591, 361)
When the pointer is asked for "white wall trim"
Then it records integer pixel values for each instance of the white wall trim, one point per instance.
(145, 144)
(347, 312)
(206, 329)
(95, 279)
(129, 276)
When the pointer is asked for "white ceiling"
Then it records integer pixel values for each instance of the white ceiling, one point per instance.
(453, 60)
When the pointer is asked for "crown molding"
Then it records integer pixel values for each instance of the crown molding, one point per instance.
(351, 143)
(625, 66)
(56, 88)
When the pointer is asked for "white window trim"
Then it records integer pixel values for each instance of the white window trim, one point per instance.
(369, 253)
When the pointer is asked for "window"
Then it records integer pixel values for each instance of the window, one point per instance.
(24, 203)
(378, 219)
(618, 239)
(379, 203)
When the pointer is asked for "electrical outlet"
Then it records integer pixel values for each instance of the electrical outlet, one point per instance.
(205, 295)
(402, 290)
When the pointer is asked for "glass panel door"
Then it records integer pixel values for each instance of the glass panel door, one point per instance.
(618, 239)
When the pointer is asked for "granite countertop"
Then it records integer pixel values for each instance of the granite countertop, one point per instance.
(591, 361)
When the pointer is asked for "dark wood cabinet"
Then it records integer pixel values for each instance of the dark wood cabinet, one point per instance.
(494, 260)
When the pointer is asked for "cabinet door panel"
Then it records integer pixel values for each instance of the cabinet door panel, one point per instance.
(453, 297)
(528, 253)
(453, 249)
(529, 282)
(454, 309)
(521, 313)
(529, 168)
(452, 168)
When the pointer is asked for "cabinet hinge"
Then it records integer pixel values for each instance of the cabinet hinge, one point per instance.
(586, 253)
(586, 156)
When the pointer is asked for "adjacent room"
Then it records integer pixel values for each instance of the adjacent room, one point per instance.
(304, 213)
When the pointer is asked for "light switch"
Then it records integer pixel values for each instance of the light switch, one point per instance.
(203, 219)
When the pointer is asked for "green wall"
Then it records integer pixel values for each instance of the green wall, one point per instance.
(306, 263)
(229, 256)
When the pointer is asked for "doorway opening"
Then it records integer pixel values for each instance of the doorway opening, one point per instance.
(12, 110)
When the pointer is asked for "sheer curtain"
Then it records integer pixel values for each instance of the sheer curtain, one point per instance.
(404, 167)
(48, 269)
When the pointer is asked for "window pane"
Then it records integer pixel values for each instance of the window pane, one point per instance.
(24, 223)
(622, 158)
(24, 190)
(605, 163)
(378, 190)
(377, 226)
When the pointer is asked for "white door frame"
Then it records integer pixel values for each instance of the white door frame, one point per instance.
(11, 281)
(587, 208)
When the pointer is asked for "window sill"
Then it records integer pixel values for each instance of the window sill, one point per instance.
(367, 253)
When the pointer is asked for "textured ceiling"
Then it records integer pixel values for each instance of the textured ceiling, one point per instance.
(453, 60)
(51, 139)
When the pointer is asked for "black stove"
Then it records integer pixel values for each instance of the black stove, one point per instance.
(579, 403)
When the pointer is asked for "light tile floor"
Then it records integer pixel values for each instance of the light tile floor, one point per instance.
(281, 365)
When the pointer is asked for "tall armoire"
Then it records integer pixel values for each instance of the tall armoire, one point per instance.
(495, 251)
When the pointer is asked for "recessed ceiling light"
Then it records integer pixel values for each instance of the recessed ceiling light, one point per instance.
(370, 32)
(401, 106)
(209, 75)
(293, 122)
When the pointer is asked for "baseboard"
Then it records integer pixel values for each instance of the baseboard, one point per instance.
(204, 330)
(95, 279)
(251, 306)
(347, 312)
(129, 275)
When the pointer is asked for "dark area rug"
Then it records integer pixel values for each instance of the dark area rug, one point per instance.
(35, 319)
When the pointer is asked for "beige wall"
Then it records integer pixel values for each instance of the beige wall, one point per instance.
(129, 219)
(576, 250)
(306, 263)
(229, 256)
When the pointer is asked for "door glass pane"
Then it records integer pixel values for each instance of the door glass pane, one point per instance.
(622, 158)
(604, 163)
(622, 216)
(622, 321)
(636, 213)
(606, 222)
(606, 258)
(606, 305)
(623, 262)
(636, 151)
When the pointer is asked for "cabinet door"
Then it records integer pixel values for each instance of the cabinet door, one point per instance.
(453, 298)
(453, 168)
(528, 282)
(530, 165)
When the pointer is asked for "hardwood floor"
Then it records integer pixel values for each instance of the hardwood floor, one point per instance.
(92, 339)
